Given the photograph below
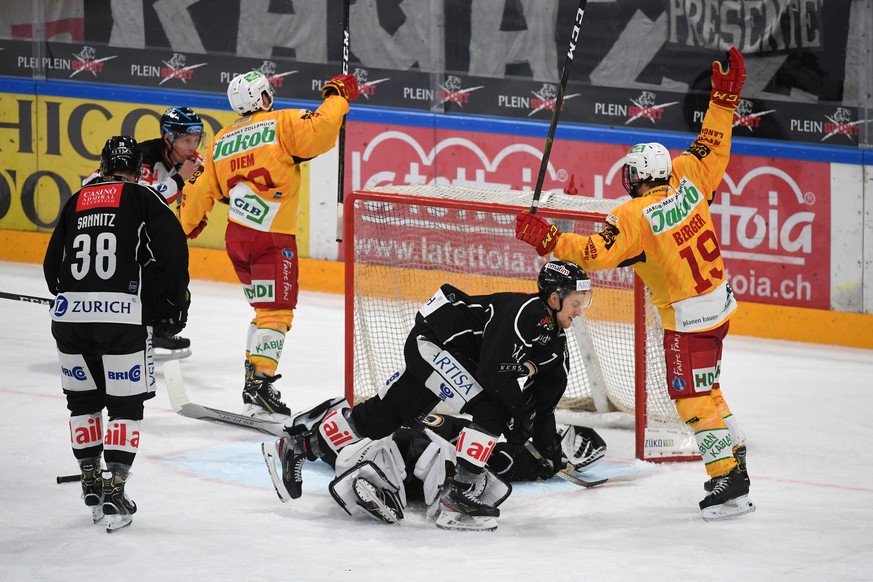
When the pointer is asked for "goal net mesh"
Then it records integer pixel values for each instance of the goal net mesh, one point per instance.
(403, 242)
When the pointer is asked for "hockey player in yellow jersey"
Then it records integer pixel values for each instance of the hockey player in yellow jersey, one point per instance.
(254, 166)
(666, 233)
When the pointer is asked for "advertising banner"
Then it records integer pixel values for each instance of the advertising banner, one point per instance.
(772, 215)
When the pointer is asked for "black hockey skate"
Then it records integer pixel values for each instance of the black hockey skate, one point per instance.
(92, 487)
(172, 347)
(460, 507)
(259, 396)
(729, 497)
(740, 456)
(117, 506)
(290, 452)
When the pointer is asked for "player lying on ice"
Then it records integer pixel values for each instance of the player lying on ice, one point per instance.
(379, 478)
(501, 359)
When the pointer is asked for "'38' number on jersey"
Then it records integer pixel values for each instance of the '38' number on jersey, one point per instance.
(103, 259)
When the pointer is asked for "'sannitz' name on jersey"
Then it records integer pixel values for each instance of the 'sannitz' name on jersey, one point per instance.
(100, 219)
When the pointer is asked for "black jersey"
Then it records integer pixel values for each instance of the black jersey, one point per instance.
(117, 250)
(499, 333)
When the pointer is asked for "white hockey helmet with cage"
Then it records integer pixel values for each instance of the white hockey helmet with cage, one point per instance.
(646, 163)
(244, 93)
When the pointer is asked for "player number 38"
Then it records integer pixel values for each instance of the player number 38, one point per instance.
(104, 255)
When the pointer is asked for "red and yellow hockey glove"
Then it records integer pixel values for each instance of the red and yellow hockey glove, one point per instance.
(727, 85)
(346, 86)
(537, 232)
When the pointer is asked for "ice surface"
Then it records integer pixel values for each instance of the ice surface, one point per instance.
(207, 510)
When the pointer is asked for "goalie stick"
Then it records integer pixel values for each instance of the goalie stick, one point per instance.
(567, 474)
(559, 100)
(180, 403)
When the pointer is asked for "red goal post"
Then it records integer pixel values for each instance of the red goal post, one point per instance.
(403, 242)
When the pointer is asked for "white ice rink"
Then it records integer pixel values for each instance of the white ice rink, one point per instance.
(207, 510)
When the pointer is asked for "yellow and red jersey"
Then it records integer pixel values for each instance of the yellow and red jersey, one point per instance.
(669, 237)
(255, 164)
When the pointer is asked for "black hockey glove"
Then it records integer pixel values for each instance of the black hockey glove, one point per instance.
(521, 423)
(170, 319)
(553, 460)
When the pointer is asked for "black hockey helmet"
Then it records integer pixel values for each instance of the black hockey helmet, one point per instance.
(121, 152)
(178, 121)
(562, 277)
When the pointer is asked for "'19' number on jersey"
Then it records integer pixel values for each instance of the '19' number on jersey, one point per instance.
(104, 256)
(708, 254)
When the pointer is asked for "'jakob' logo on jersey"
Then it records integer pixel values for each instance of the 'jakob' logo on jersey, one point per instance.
(245, 138)
(674, 209)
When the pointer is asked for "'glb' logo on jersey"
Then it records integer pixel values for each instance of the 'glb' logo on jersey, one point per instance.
(674, 209)
(251, 208)
(244, 139)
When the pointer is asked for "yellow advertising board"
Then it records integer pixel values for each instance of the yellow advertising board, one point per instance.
(50, 144)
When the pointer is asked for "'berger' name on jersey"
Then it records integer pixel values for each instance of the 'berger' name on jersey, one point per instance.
(244, 139)
(672, 210)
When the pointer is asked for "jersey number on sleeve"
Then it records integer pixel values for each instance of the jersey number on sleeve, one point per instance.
(104, 256)
(709, 256)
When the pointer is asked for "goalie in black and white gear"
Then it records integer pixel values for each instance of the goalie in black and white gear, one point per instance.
(500, 358)
(378, 479)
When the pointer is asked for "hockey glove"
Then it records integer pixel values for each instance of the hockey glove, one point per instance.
(521, 424)
(582, 445)
(170, 319)
(552, 461)
(727, 85)
(537, 232)
(346, 86)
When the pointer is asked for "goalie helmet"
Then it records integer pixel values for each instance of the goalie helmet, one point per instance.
(562, 277)
(121, 153)
(646, 163)
(244, 93)
(178, 121)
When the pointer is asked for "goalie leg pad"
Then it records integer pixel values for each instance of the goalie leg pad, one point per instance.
(370, 478)
(382, 504)
(365, 488)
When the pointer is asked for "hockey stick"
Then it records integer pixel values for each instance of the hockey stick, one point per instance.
(559, 100)
(27, 298)
(341, 143)
(565, 474)
(68, 478)
(179, 402)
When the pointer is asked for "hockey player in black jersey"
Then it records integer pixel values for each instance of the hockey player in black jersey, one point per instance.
(167, 163)
(118, 263)
(500, 358)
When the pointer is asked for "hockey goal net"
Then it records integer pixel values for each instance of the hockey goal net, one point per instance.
(403, 242)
